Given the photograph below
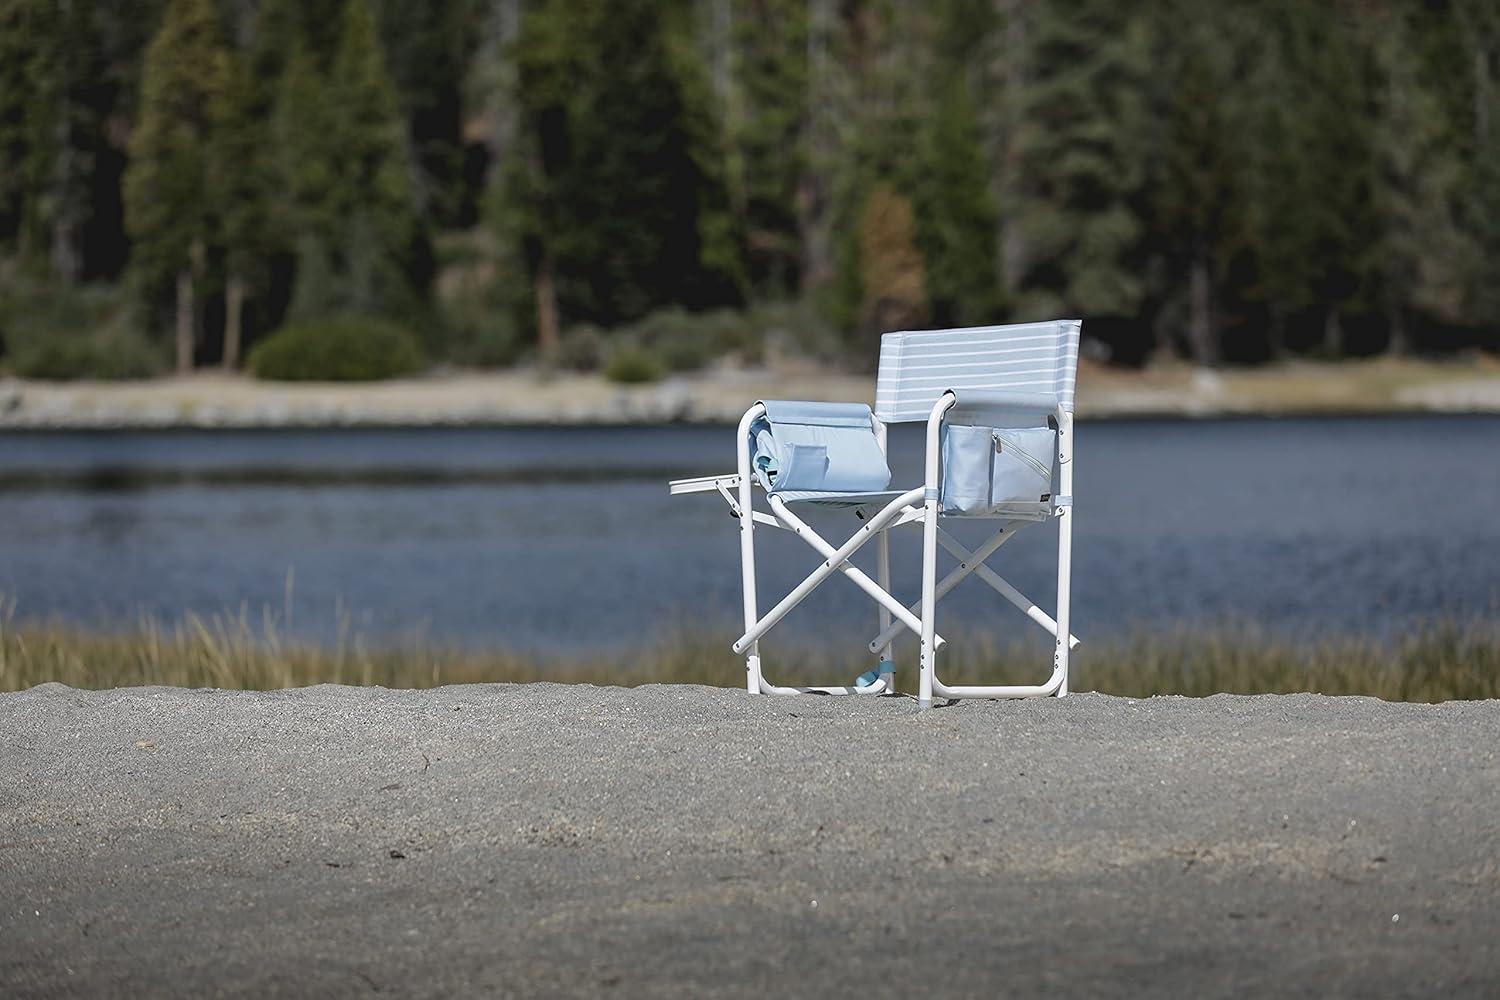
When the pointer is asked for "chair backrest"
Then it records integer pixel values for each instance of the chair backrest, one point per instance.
(917, 366)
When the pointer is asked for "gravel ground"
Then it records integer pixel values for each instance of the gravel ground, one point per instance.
(686, 841)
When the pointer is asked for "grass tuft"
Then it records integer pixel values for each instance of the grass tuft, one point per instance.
(1440, 661)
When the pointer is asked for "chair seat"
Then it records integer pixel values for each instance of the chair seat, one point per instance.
(825, 498)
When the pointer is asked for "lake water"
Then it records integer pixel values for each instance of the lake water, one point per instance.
(557, 539)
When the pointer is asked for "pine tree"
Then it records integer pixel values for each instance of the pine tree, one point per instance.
(1310, 157)
(771, 140)
(167, 186)
(1083, 160)
(15, 96)
(427, 47)
(1479, 22)
(373, 198)
(955, 216)
(1195, 219)
(307, 216)
(625, 204)
(242, 190)
(1422, 252)
(350, 216)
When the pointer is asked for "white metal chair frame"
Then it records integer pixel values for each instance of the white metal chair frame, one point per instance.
(920, 505)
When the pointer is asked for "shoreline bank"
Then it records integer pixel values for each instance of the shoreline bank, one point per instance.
(521, 397)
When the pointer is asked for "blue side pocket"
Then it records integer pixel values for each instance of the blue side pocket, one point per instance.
(806, 467)
(966, 469)
(1022, 469)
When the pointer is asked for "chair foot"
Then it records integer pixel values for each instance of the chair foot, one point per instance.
(923, 706)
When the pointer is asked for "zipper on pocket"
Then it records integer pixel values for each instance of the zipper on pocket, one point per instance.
(1026, 458)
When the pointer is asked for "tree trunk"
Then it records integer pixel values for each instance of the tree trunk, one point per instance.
(1200, 314)
(1276, 335)
(547, 333)
(66, 261)
(185, 309)
(1333, 334)
(234, 307)
(1481, 96)
(1013, 249)
(1400, 342)
(812, 191)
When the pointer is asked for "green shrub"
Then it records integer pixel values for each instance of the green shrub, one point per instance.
(686, 341)
(797, 329)
(62, 332)
(340, 349)
(581, 348)
(631, 364)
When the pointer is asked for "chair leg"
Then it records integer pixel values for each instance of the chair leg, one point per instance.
(929, 604)
(1064, 587)
(1064, 551)
(887, 665)
(747, 577)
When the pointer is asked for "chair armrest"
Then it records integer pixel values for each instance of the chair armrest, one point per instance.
(705, 484)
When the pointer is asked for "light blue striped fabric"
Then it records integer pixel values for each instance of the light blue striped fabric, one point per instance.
(917, 366)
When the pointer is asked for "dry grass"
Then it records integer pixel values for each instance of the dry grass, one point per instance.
(1437, 662)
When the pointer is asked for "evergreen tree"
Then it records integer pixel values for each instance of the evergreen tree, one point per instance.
(305, 122)
(242, 190)
(955, 216)
(1310, 170)
(350, 216)
(427, 48)
(16, 30)
(1422, 253)
(1083, 160)
(50, 129)
(1479, 24)
(1195, 221)
(771, 140)
(168, 187)
(627, 208)
(373, 198)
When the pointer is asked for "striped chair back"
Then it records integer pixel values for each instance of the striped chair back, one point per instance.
(917, 366)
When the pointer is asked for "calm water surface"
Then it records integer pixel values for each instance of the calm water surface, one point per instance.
(567, 538)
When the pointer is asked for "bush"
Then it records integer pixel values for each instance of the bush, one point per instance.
(632, 364)
(685, 341)
(581, 348)
(341, 349)
(62, 332)
(795, 329)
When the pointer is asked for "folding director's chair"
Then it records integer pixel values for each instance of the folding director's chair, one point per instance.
(998, 404)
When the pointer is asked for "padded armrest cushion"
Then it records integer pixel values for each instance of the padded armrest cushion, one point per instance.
(817, 446)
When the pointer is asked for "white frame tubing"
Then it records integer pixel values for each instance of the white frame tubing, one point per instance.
(1057, 684)
(975, 563)
(887, 603)
(971, 564)
(755, 681)
(886, 664)
(834, 562)
(747, 544)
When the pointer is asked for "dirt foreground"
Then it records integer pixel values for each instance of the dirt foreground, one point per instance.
(539, 840)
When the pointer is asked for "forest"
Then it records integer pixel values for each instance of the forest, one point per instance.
(355, 188)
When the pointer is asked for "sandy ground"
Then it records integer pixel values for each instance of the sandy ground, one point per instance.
(720, 395)
(686, 841)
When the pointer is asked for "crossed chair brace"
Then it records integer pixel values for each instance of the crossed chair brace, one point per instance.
(985, 448)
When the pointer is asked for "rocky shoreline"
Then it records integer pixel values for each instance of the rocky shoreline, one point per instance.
(528, 397)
